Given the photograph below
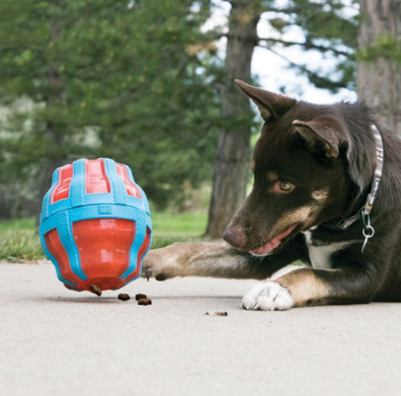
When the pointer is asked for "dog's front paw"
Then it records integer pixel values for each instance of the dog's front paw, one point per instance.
(166, 263)
(268, 296)
(154, 265)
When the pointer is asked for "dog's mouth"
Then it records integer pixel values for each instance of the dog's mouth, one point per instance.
(271, 246)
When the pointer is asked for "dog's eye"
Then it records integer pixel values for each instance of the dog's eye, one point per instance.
(284, 186)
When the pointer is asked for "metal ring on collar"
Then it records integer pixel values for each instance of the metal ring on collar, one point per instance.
(368, 231)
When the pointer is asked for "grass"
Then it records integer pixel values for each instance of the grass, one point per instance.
(19, 240)
(18, 225)
(188, 225)
(20, 246)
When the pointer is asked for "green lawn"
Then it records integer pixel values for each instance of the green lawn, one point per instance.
(19, 241)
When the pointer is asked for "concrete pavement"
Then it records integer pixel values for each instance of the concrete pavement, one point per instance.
(57, 342)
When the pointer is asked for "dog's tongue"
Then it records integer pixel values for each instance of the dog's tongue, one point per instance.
(274, 243)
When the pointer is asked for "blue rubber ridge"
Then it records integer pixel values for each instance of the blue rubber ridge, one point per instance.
(54, 261)
(77, 185)
(144, 197)
(140, 233)
(117, 184)
(64, 228)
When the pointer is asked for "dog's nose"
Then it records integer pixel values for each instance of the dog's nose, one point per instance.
(235, 236)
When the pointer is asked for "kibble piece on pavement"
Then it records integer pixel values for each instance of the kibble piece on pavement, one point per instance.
(124, 297)
(140, 296)
(221, 314)
(96, 290)
(145, 301)
(218, 314)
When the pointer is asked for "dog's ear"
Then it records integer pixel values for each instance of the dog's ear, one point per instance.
(271, 105)
(324, 137)
(321, 136)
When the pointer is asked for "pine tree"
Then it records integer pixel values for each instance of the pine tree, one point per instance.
(124, 80)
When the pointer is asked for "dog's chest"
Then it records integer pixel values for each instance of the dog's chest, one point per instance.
(321, 254)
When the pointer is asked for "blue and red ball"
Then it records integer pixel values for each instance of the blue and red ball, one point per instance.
(95, 225)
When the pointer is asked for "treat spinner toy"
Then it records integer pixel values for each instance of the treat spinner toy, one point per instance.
(95, 225)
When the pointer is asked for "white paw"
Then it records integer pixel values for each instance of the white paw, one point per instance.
(268, 296)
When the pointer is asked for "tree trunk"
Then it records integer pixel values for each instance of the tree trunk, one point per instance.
(379, 82)
(232, 156)
(55, 133)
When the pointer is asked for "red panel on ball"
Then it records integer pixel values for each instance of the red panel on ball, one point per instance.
(132, 189)
(62, 189)
(104, 249)
(57, 250)
(96, 180)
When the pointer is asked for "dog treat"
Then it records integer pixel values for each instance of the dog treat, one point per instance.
(124, 297)
(217, 314)
(95, 290)
(145, 301)
(140, 296)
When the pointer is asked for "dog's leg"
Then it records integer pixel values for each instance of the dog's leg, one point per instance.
(218, 259)
(214, 259)
(307, 286)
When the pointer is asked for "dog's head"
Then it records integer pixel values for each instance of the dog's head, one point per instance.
(302, 173)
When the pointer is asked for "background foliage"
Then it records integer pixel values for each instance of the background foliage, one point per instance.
(138, 81)
(123, 80)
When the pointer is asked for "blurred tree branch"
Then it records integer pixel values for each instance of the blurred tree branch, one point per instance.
(306, 44)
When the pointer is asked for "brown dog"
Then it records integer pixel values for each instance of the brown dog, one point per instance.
(318, 170)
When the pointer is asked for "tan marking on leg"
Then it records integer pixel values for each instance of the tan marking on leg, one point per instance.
(305, 287)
